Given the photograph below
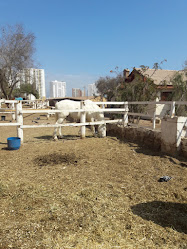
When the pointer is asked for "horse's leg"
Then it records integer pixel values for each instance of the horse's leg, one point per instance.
(93, 128)
(59, 121)
(60, 131)
(101, 127)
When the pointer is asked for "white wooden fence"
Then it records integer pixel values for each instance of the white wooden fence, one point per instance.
(36, 104)
(19, 111)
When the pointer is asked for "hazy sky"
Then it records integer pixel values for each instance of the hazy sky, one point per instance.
(78, 41)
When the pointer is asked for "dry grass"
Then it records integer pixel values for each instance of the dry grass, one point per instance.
(91, 193)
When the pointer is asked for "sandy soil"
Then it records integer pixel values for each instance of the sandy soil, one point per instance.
(90, 193)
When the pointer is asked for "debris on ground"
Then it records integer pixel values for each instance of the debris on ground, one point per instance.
(164, 178)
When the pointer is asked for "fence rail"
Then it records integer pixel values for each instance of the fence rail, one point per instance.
(18, 111)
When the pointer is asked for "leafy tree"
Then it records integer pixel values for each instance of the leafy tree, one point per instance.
(179, 87)
(144, 68)
(157, 65)
(25, 88)
(179, 92)
(16, 52)
(140, 89)
(108, 86)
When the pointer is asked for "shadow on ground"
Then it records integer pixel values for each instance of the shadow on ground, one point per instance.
(165, 214)
(149, 152)
(3, 143)
(44, 137)
(178, 160)
(5, 148)
(65, 137)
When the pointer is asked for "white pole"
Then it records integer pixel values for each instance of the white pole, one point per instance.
(172, 111)
(125, 116)
(19, 119)
(83, 120)
(154, 119)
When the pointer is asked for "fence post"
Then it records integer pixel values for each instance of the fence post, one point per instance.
(172, 111)
(13, 116)
(83, 120)
(154, 119)
(125, 116)
(34, 105)
(19, 119)
(172, 132)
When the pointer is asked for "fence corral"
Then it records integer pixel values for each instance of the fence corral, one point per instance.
(165, 111)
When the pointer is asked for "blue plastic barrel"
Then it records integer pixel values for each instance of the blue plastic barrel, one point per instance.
(14, 143)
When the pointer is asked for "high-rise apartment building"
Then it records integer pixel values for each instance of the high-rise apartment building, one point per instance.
(92, 90)
(35, 77)
(57, 89)
(76, 92)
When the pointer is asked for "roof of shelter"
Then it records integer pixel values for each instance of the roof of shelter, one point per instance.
(93, 98)
(71, 98)
(159, 76)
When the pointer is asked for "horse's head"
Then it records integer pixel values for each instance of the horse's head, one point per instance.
(102, 130)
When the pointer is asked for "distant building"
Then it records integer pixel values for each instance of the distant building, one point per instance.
(57, 89)
(92, 90)
(35, 77)
(77, 92)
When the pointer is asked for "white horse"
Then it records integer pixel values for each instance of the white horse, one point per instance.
(91, 114)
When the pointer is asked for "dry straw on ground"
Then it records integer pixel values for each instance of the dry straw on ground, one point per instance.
(91, 193)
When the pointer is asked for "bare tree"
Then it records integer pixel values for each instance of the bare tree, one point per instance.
(16, 53)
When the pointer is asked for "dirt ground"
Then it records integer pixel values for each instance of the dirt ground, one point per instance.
(88, 193)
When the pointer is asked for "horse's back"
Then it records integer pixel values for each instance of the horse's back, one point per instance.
(65, 106)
